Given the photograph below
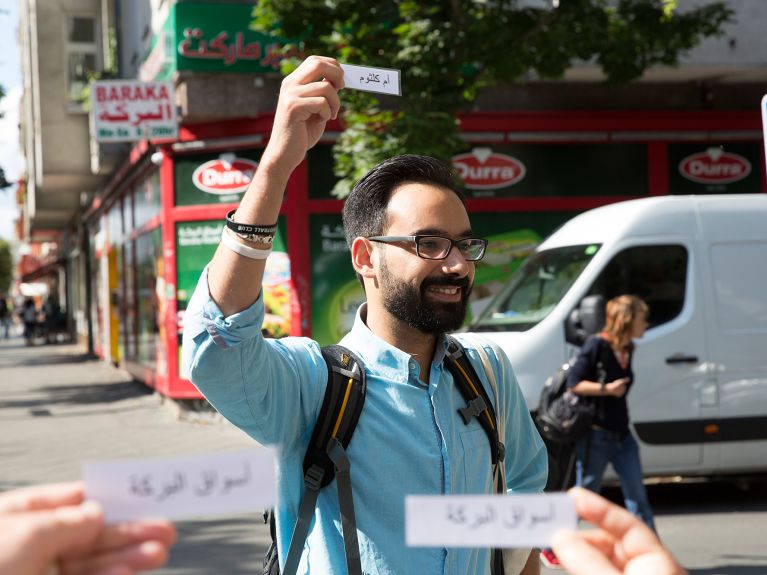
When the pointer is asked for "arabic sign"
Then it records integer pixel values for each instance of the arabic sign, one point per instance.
(216, 37)
(181, 487)
(367, 79)
(481, 169)
(127, 110)
(487, 520)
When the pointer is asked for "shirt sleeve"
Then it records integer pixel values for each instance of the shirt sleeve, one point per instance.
(271, 389)
(585, 365)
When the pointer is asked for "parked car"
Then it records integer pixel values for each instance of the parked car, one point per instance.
(699, 403)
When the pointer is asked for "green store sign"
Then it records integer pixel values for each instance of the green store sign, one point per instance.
(210, 37)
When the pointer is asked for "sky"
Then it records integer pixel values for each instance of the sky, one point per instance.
(10, 80)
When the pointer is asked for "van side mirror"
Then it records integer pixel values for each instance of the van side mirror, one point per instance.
(586, 319)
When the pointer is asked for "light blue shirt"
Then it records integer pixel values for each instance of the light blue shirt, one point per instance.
(410, 438)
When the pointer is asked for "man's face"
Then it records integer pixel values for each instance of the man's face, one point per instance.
(428, 295)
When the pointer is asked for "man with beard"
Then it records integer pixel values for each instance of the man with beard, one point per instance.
(414, 251)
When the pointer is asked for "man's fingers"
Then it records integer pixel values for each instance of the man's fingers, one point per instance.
(130, 546)
(51, 534)
(635, 536)
(138, 557)
(42, 497)
(123, 534)
(579, 556)
(316, 106)
(315, 68)
(322, 90)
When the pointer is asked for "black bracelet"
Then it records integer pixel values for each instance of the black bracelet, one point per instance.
(246, 228)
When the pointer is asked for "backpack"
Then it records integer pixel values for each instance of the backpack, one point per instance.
(564, 417)
(326, 458)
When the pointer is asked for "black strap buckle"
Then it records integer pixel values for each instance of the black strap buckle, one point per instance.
(473, 409)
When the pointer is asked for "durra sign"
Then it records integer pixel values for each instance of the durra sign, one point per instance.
(481, 169)
(225, 175)
(714, 166)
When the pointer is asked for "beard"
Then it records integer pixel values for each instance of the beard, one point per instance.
(408, 303)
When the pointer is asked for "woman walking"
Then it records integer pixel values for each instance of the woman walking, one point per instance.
(603, 371)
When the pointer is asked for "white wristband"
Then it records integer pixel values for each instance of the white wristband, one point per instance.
(242, 249)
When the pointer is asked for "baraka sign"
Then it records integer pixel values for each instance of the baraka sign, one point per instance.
(481, 169)
(127, 110)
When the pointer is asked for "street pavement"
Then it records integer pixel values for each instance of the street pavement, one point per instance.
(59, 407)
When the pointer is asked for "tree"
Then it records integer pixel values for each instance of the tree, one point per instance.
(6, 266)
(449, 49)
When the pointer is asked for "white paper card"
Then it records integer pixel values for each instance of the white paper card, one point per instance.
(181, 487)
(381, 80)
(487, 520)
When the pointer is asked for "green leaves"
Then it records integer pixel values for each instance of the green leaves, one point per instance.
(447, 50)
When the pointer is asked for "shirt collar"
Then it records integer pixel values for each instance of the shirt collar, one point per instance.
(390, 361)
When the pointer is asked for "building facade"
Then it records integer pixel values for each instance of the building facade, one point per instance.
(136, 222)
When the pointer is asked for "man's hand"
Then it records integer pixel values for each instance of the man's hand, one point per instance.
(49, 526)
(308, 100)
(621, 544)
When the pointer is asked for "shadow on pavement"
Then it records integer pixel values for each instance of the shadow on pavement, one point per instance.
(731, 570)
(47, 359)
(218, 546)
(711, 496)
(80, 394)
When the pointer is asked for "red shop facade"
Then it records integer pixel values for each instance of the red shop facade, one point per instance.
(158, 222)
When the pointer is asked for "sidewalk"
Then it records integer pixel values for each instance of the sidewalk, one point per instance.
(59, 407)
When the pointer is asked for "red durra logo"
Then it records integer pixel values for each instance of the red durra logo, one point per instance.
(226, 175)
(481, 169)
(715, 166)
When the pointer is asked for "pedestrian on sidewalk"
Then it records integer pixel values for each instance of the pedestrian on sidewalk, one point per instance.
(5, 315)
(610, 439)
(414, 251)
(29, 318)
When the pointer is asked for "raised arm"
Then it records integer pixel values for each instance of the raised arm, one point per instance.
(308, 99)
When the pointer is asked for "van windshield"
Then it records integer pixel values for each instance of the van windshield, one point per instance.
(534, 290)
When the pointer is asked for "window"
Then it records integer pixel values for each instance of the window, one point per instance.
(535, 289)
(81, 57)
(657, 274)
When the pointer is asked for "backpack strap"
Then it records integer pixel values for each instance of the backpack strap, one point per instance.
(478, 402)
(326, 457)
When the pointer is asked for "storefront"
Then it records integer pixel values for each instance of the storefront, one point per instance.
(159, 221)
(524, 174)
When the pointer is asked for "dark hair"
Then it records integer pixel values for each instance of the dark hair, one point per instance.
(365, 208)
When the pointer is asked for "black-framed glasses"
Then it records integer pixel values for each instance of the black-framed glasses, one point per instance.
(438, 247)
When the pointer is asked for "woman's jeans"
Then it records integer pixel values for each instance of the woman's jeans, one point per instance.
(622, 451)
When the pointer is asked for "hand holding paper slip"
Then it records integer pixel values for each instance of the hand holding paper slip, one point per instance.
(487, 520)
(182, 487)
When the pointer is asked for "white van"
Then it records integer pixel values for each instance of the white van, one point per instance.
(699, 403)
